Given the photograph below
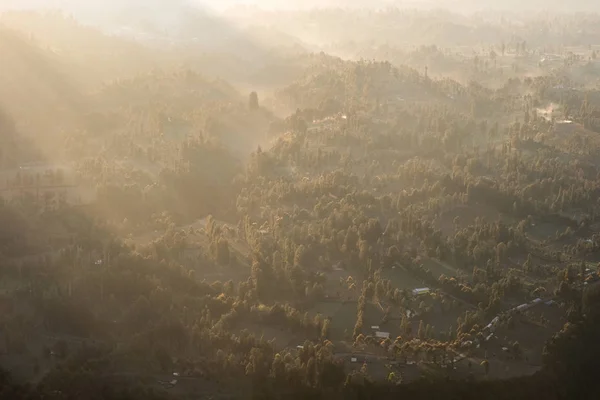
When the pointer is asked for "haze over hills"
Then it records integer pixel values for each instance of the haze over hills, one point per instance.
(108, 6)
(165, 23)
(279, 201)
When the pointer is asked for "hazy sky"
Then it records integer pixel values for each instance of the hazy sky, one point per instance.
(214, 4)
(106, 6)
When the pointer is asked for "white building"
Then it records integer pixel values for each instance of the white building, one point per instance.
(421, 291)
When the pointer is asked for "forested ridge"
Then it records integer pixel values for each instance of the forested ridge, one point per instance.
(422, 223)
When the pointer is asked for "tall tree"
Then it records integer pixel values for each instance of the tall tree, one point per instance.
(253, 101)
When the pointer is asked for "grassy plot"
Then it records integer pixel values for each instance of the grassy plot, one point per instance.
(402, 279)
(545, 230)
(439, 268)
(343, 318)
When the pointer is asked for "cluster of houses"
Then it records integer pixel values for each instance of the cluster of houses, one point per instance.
(491, 327)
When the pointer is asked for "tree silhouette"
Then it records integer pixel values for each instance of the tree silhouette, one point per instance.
(253, 101)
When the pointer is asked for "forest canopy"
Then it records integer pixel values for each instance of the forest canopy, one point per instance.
(340, 203)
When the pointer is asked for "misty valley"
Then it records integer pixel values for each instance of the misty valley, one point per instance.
(318, 201)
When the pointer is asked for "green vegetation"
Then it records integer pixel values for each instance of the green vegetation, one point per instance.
(182, 226)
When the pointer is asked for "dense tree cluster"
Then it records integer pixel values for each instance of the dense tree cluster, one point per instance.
(224, 243)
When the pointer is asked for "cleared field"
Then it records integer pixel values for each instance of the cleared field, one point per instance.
(499, 368)
(402, 279)
(343, 317)
(545, 230)
(440, 320)
(439, 268)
